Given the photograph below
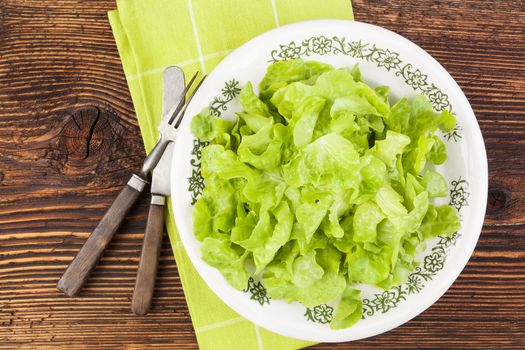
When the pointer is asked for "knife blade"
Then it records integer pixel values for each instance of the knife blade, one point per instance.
(173, 87)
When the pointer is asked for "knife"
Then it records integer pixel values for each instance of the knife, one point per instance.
(160, 188)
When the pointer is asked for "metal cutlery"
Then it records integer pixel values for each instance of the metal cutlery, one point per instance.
(79, 269)
(160, 188)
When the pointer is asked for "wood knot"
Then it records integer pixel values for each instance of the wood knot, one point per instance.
(87, 138)
(84, 133)
(91, 141)
(497, 198)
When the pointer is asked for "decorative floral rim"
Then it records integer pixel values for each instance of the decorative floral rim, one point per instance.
(219, 104)
(384, 58)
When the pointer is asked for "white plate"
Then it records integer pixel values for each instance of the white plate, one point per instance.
(385, 58)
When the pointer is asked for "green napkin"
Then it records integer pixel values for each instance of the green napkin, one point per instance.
(196, 35)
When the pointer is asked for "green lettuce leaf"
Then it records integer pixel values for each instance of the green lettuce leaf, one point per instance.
(366, 218)
(219, 254)
(207, 127)
(321, 185)
(349, 310)
(443, 221)
(435, 184)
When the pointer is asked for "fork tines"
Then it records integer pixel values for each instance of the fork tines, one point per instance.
(178, 113)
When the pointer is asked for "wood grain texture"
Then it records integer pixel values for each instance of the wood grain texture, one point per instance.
(69, 140)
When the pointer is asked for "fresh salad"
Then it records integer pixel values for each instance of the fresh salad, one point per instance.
(321, 185)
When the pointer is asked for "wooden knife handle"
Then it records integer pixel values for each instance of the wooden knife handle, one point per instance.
(88, 256)
(149, 259)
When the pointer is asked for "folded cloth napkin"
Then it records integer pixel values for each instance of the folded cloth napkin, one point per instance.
(196, 35)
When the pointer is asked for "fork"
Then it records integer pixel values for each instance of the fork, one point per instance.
(85, 261)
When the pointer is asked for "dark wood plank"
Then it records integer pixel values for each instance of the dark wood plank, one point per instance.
(69, 139)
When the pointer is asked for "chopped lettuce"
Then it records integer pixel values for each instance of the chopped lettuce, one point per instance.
(321, 185)
(349, 310)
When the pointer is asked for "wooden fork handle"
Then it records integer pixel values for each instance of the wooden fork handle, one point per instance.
(149, 258)
(88, 256)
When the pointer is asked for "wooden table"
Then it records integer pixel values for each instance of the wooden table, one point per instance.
(69, 139)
